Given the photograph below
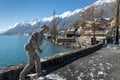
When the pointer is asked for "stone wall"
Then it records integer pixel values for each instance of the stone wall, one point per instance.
(12, 72)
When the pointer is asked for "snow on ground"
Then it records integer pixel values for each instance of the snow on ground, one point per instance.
(50, 77)
(113, 46)
(97, 70)
(101, 65)
(54, 77)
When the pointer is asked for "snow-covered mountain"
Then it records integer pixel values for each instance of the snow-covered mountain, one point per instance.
(105, 8)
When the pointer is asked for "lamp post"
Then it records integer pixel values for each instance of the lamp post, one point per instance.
(117, 24)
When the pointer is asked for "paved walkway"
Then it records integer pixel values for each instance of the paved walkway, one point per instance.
(101, 65)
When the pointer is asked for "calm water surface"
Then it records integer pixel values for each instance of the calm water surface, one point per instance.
(12, 50)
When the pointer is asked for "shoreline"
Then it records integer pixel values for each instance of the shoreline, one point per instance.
(12, 72)
(81, 41)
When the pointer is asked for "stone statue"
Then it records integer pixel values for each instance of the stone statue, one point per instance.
(31, 46)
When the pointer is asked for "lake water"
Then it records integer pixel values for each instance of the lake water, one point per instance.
(12, 50)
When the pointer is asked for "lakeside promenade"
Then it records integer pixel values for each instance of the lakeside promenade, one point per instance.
(98, 64)
(103, 64)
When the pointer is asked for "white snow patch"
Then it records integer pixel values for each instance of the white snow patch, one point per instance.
(94, 64)
(108, 64)
(76, 71)
(54, 77)
(91, 74)
(92, 57)
(101, 66)
(81, 63)
(14, 25)
(77, 10)
(69, 70)
(107, 18)
(40, 78)
(81, 74)
(31, 22)
(49, 19)
(72, 75)
(91, 62)
(102, 79)
(66, 14)
(101, 2)
(92, 69)
(108, 67)
(100, 73)
(97, 58)
(79, 78)
(65, 72)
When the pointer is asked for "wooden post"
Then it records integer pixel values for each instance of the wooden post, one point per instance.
(117, 24)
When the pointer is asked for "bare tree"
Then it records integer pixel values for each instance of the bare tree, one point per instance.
(53, 29)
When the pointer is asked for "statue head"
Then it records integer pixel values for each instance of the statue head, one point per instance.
(42, 30)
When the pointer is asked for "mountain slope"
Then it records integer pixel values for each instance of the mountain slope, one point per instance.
(103, 7)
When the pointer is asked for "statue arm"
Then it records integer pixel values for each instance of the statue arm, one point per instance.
(39, 50)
